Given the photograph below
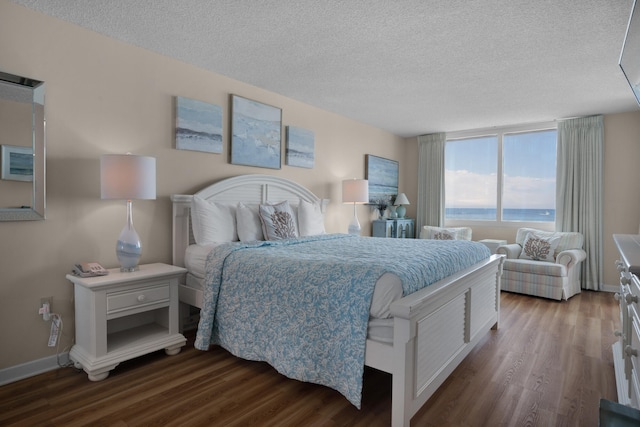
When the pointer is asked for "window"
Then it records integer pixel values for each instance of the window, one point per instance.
(507, 176)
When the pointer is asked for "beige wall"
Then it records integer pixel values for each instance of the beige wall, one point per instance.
(103, 96)
(621, 187)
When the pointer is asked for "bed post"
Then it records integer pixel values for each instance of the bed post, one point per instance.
(402, 377)
(181, 217)
(498, 289)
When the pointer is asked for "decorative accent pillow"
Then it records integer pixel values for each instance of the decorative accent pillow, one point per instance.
(539, 248)
(212, 222)
(310, 218)
(437, 233)
(278, 221)
(248, 223)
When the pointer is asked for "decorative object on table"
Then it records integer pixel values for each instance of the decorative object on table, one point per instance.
(198, 125)
(127, 177)
(355, 191)
(382, 175)
(381, 206)
(392, 212)
(300, 147)
(401, 200)
(255, 133)
(17, 163)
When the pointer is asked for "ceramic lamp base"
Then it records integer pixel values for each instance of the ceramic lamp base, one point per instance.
(401, 211)
(128, 247)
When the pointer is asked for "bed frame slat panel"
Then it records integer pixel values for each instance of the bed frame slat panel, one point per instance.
(483, 303)
(440, 336)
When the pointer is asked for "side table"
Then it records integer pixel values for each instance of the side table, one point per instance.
(125, 315)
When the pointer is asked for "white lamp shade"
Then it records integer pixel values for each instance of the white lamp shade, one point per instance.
(355, 191)
(126, 176)
(401, 200)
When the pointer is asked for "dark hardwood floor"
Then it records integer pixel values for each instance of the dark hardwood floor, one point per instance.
(547, 365)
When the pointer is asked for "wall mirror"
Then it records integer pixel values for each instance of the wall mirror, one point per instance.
(22, 148)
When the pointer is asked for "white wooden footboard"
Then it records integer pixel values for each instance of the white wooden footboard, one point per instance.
(434, 330)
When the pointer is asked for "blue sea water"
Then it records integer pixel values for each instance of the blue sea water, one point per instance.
(489, 214)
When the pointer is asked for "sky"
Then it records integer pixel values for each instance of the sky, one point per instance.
(471, 168)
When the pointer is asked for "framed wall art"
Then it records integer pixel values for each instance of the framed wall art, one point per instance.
(300, 147)
(198, 125)
(256, 133)
(383, 178)
(17, 163)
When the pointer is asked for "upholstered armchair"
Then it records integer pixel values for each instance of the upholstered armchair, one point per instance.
(543, 263)
(439, 233)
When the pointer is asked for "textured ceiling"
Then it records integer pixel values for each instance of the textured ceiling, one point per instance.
(407, 66)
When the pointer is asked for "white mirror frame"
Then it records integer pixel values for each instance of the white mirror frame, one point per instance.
(38, 198)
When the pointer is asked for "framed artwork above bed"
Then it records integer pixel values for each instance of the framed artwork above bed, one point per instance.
(382, 175)
(198, 125)
(300, 147)
(256, 133)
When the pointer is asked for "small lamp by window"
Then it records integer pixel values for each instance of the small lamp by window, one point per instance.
(401, 200)
(355, 191)
(127, 177)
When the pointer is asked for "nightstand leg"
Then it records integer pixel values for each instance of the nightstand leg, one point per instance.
(172, 351)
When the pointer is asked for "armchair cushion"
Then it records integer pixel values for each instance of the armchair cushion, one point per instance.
(537, 267)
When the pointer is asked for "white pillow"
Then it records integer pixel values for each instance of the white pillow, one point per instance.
(310, 218)
(438, 233)
(248, 223)
(539, 248)
(212, 222)
(278, 221)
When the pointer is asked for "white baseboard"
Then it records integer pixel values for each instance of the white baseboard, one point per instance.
(611, 288)
(29, 369)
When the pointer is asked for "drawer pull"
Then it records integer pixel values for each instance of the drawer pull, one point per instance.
(617, 296)
(630, 298)
(617, 333)
(630, 351)
(625, 280)
(141, 298)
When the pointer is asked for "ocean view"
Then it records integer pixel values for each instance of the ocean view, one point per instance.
(489, 214)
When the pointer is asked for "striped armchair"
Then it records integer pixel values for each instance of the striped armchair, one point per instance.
(542, 263)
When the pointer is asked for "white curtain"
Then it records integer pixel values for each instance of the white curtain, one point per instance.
(430, 205)
(579, 189)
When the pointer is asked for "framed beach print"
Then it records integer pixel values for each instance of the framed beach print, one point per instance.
(383, 178)
(17, 163)
(198, 125)
(300, 147)
(256, 133)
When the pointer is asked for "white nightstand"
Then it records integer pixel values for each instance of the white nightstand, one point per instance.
(125, 315)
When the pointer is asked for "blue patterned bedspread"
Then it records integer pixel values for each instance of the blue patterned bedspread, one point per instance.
(302, 305)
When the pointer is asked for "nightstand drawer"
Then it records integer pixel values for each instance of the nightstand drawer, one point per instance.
(125, 300)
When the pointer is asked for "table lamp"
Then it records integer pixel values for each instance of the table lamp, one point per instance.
(401, 200)
(127, 177)
(355, 191)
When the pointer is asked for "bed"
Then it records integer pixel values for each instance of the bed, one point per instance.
(432, 329)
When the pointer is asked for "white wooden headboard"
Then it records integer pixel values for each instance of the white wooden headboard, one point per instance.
(248, 189)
